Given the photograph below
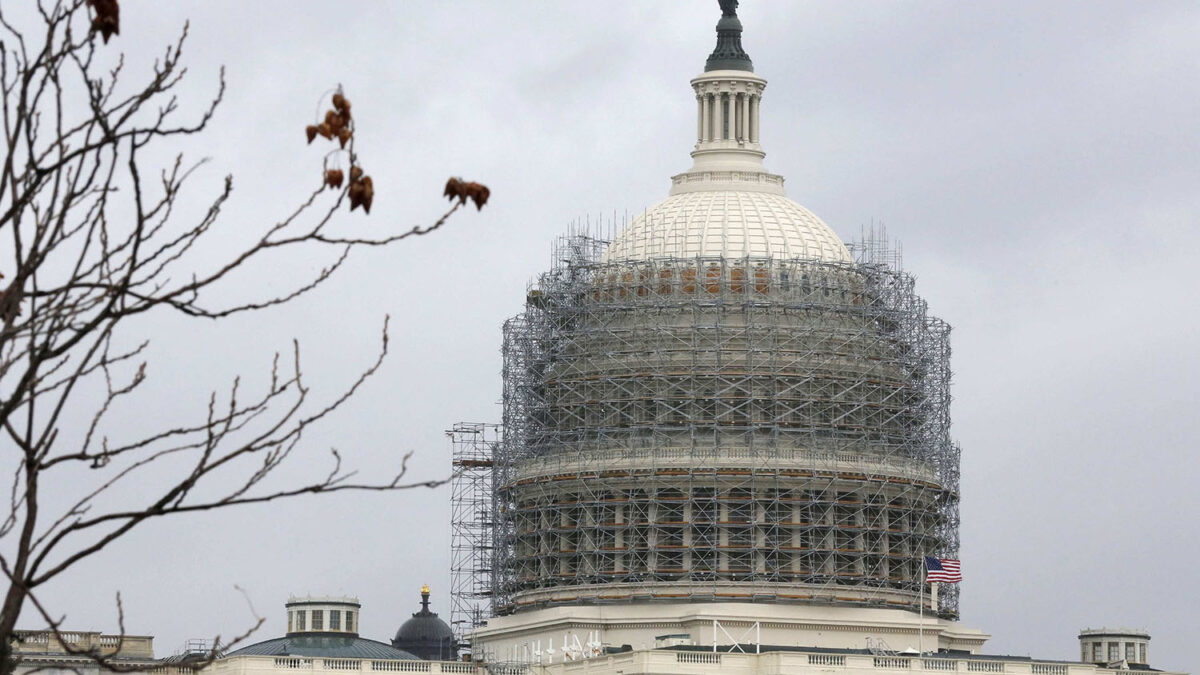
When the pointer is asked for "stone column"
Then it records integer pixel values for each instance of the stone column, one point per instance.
(718, 114)
(706, 124)
(699, 118)
(755, 104)
(746, 117)
(726, 116)
(735, 115)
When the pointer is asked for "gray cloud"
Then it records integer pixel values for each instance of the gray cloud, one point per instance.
(1038, 161)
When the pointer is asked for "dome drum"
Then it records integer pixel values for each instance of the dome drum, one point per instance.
(711, 427)
(780, 534)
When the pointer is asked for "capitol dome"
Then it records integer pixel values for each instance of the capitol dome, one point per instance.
(728, 224)
(715, 416)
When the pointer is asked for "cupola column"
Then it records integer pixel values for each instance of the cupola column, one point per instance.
(754, 118)
(735, 114)
(719, 132)
(705, 118)
(735, 103)
(745, 118)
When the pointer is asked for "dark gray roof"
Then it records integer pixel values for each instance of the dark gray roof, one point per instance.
(424, 626)
(330, 646)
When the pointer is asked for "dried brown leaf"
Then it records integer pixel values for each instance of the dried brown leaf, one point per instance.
(368, 194)
(478, 193)
(356, 195)
(458, 189)
(311, 132)
(333, 121)
(342, 106)
(107, 21)
(454, 190)
(10, 304)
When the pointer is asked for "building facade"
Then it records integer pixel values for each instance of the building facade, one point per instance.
(45, 651)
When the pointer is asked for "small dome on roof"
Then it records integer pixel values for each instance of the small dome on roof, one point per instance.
(426, 635)
(323, 627)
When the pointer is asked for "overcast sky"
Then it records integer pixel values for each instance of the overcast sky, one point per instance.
(1039, 161)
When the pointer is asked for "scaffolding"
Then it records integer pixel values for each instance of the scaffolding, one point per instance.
(471, 551)
(713, 429)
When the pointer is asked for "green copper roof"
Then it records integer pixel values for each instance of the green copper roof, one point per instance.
(325, 646)
(729, 54)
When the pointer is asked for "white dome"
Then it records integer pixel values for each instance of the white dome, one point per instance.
(730, 224)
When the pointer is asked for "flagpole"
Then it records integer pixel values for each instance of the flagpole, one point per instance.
(921, 624)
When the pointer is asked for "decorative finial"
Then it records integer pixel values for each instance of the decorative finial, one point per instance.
(424, 599)
(729, 54)
(424, 589)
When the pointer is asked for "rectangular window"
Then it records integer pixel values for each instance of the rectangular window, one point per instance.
(350, 622)
(1114, 652)
(317, 617)
(1130, 652)
(1142, 653)
(335, 620)
(300, 619)
(1098, 652)
(291, 618)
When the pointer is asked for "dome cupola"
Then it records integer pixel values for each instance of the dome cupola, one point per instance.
(322, 614)
(727, 205)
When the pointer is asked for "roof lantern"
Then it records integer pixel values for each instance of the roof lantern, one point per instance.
(322, 614)
(1121, 648)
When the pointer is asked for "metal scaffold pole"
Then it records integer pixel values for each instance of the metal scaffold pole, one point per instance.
(708, 429)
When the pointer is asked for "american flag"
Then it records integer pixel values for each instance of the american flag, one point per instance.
(945, 570)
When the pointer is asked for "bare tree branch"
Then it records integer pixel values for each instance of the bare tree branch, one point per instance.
(93, 236)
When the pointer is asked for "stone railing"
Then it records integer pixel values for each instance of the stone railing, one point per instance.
(773, 663)
(256, 664)
(129, 646)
